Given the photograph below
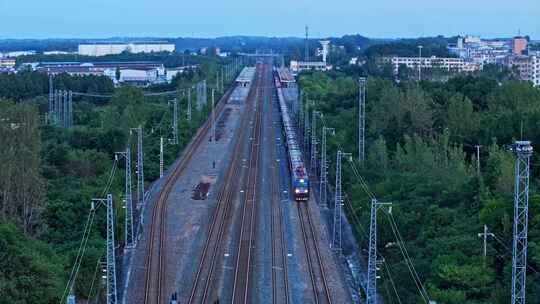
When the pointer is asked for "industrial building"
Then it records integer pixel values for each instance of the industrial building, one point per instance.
(102, 49)
(137, 72)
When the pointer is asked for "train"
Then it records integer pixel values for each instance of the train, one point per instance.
(298, 172)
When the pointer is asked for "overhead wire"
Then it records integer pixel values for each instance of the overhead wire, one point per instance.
(407, 258)
(84, 241)
(387, 267)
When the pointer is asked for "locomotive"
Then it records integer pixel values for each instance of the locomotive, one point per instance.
(299, 175)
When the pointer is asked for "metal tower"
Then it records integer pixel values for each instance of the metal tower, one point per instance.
(338, 201)
(362, 118)
(523, 150)
(51, 96)
(213, 117)
(57, 107)
(189, 104)
(70, 109)
(140, 167)
(306, 127)
(323, 184)
(65, 109)
(129, 232)
(222, 80)
(175, 122)
(306, 55)
(313, 160)
(160, 157)
(111, 261)
(371, 285)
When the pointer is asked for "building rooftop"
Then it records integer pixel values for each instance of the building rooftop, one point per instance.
(285, 75)
(246, 75)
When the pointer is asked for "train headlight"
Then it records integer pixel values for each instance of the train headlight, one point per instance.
(302, 180)
(296, 190)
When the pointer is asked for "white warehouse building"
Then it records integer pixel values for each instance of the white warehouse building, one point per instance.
(102, 49)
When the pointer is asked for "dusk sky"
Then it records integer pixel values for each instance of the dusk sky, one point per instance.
(174, 18)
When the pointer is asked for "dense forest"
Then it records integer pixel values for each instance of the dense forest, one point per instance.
(48, 175)
(421, 157)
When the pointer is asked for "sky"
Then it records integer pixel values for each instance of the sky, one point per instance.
(205, 18)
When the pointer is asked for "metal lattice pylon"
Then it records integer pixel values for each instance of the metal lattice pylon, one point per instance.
(174, 126)
(362, 118)
(51, 96)
(371, 284)
(129, 232)
(306, 128)
(523, 150)
(323, 184)
(111, 261)
(189, 105)
(313, 159)
(140, 167)
(338, 202)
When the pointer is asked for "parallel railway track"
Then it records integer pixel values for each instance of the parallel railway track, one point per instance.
(156, 254)
(280, 292)
(241, 285)
(317, 273)
(201, 291)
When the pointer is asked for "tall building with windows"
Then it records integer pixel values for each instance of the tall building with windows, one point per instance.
(519, 45)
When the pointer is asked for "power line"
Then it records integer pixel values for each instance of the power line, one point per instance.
(407, 258)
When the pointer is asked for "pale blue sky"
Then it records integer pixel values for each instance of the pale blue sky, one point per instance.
(204, 18)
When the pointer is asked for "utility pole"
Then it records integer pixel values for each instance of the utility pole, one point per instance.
(111, 261)
(129, 234)
(213, 118)
(313, 160)
(175, 122)
(420, 63)
(306, 127)
(57, 94)
(371, 290)
(161, 157)
(306, 55)
(323, 184)
(362, 119)
(65, 109)
(485, 236)
(51, 96)
(523, 150)
(478, 159)
(338, 201)
(217, 80)
(140, 167)
(222, 82)
(70, 109)
(189, 104)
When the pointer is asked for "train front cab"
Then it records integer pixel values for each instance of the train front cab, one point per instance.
(300, 189)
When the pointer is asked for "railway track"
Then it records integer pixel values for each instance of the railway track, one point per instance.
(156, 254)
(241, 284)
(317, 273)
(280, 291)
(201, 291)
